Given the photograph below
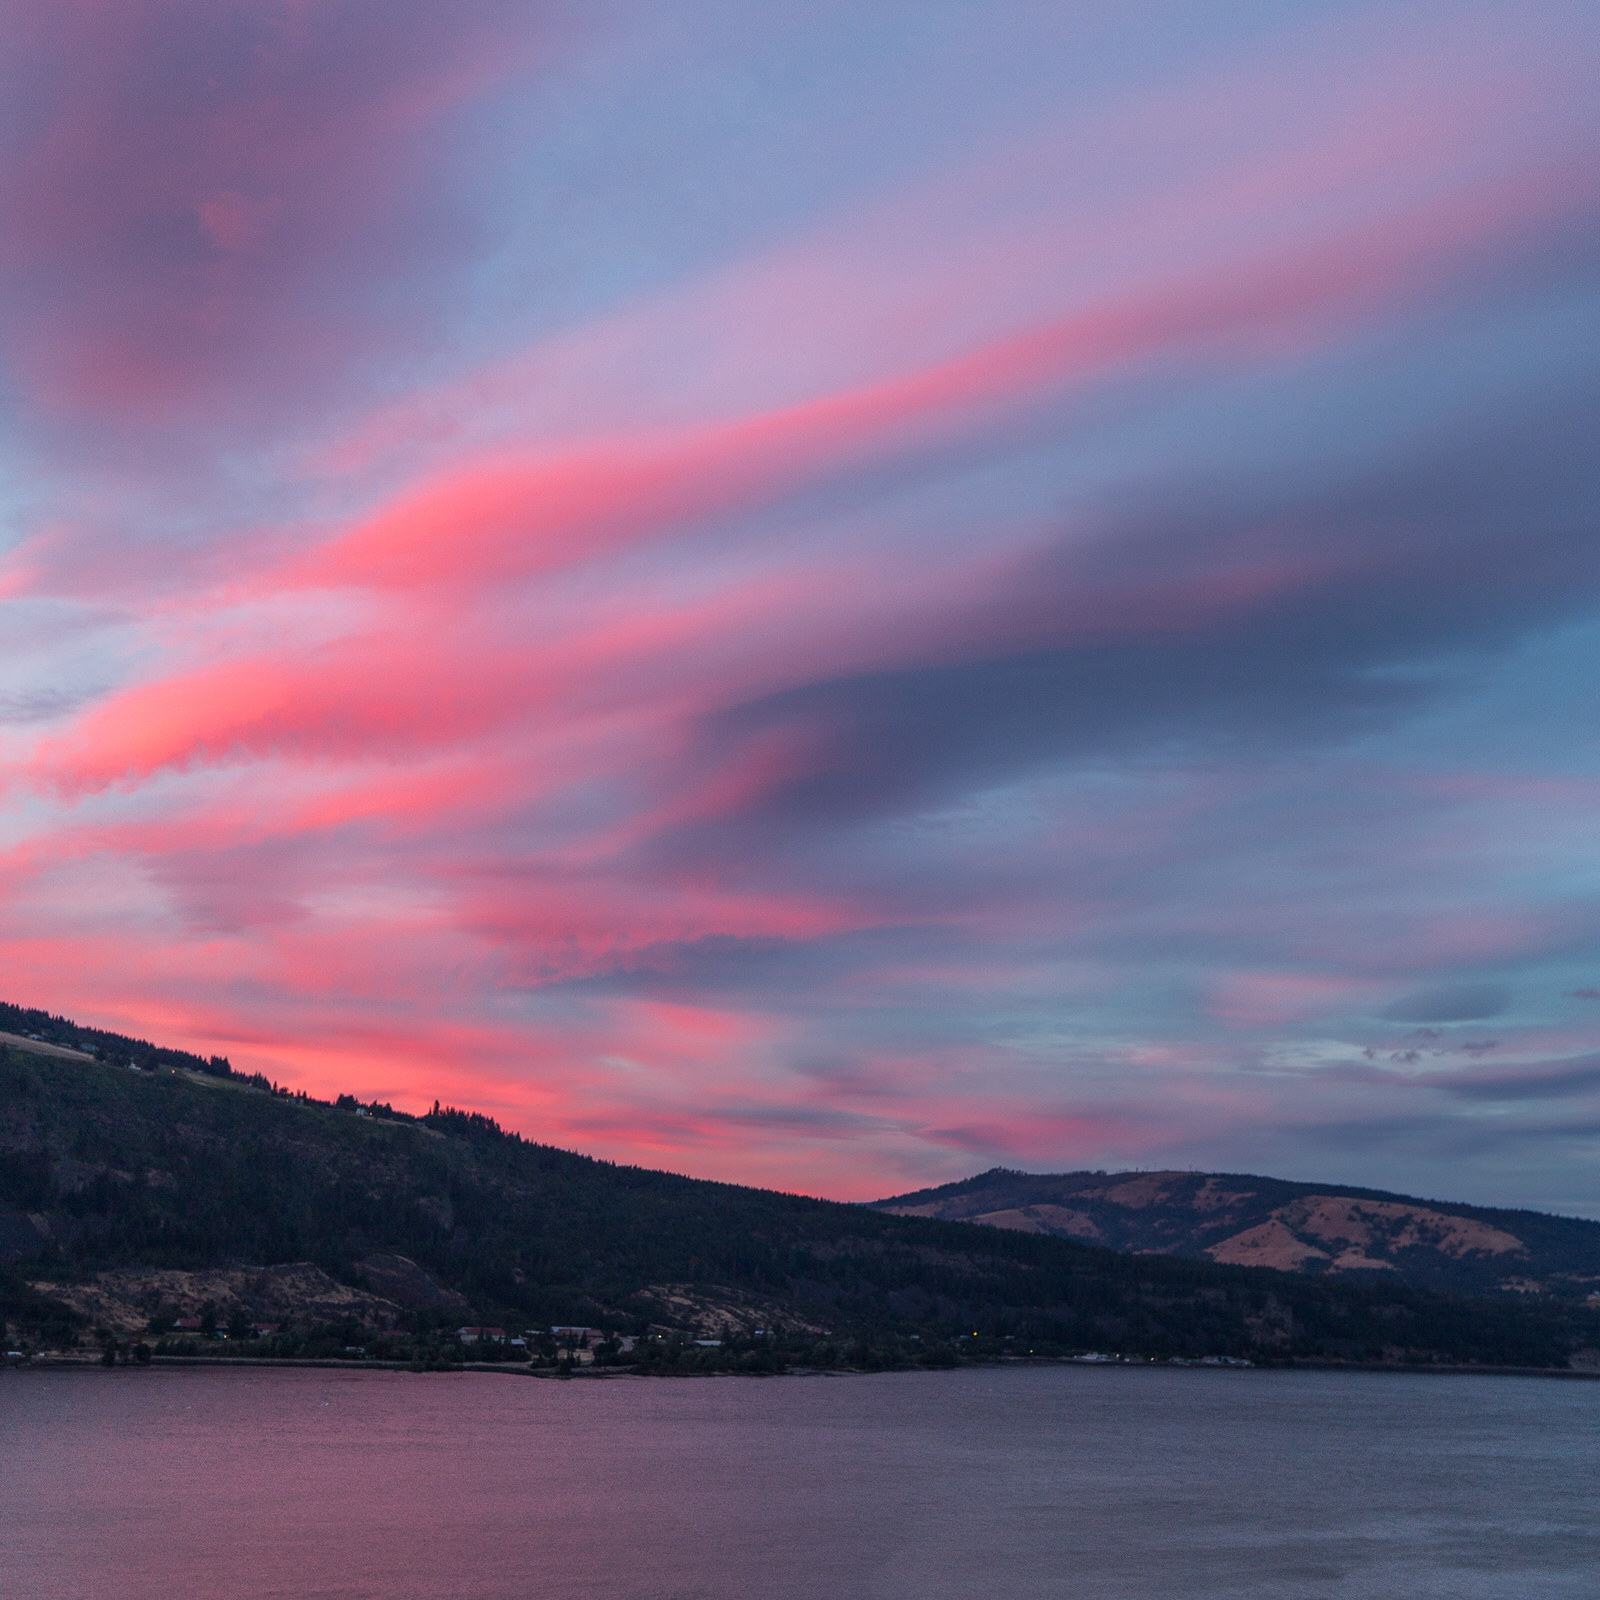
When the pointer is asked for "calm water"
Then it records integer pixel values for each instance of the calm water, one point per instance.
(1041, 1482)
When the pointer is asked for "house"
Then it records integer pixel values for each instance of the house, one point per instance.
(579, 1338)
(473, 1335)
(187, 1325)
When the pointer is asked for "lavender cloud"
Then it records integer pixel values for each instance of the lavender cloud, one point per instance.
(906, 618)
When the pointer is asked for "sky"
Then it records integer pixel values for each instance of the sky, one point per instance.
(824, 595)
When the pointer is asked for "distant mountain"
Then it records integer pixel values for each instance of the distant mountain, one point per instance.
(141, 1188)
(1313, 1228)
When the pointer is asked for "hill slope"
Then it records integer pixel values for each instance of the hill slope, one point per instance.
(1268, 1222)
(128, 1193)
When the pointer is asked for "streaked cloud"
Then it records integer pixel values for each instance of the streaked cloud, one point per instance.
(772, 632)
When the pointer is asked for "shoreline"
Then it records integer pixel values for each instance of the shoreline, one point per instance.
(64, 1363)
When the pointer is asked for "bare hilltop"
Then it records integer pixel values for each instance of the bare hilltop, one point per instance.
(1315, 1228)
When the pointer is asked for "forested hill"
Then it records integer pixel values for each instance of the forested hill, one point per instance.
(24, 1026)
(128, 1192)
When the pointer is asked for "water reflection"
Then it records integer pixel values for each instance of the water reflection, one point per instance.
(1036, 1484)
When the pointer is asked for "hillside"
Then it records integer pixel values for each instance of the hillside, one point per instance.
(1312, 1228)
(132, 1194)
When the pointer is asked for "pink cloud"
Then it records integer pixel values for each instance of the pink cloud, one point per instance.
(171, 143)
(464, 727)
(1270, 999)
(493, 520)
(487, 523)
(237, 223)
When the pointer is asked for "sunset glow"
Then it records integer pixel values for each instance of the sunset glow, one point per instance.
(817, 595)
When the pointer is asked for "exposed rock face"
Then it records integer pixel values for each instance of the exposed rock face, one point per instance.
(125, 1300)
(718, 1313)
(73, 1177)
(400, 1279)
(20, 1235)
(1266, 1222)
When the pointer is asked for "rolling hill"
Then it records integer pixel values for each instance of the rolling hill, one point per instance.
(1312, 1228)
(139, 1185)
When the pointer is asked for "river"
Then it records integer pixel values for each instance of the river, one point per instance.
(1034, 1483)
